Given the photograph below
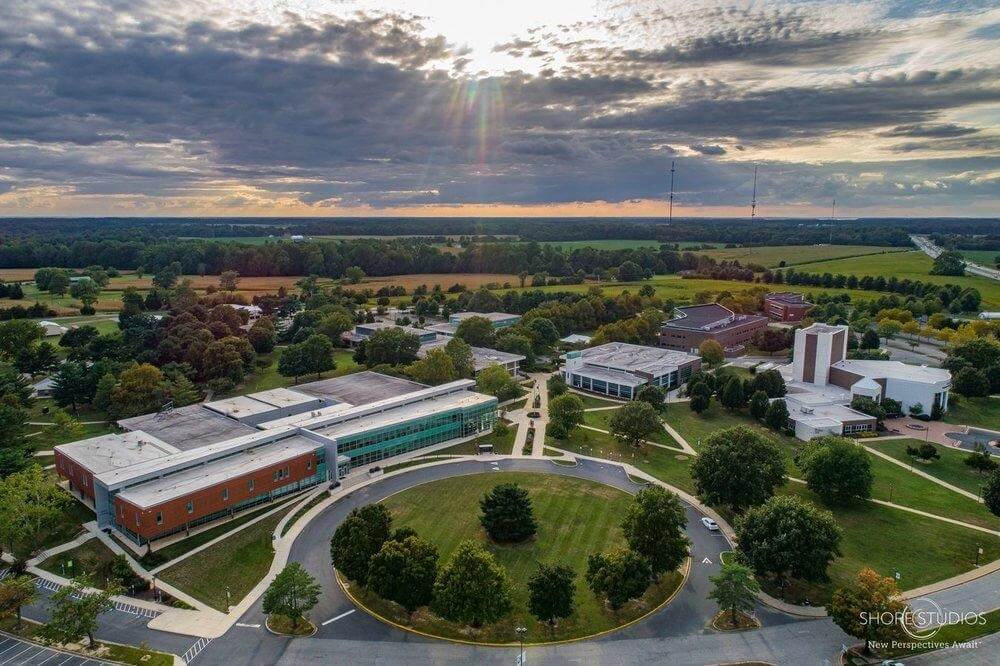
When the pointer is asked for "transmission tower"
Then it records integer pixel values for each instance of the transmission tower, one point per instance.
(753, 205)
(670, 209)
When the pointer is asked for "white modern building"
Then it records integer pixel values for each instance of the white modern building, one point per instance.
(482, 357)
(496, 319)
(820, 359)
(619, 369)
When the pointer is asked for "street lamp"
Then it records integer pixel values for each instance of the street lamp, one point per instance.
(521, 631)
(229, 601)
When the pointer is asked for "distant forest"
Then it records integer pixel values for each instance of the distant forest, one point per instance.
(152, 243)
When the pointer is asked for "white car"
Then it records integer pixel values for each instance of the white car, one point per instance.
(710, 524)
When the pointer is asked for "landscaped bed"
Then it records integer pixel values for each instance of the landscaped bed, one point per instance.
(91, 557)
(575, 518)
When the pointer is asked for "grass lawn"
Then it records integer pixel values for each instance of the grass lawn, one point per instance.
(502, 444)
(602, 419)
(913, 265)
(670, 467)
(605, 244)
(954, 633)
(987, 258)
(592, 401)
(70, 524)
(268, 378)
(48, 437)
(898, 485)
(239, 563)
(772, 256)
(923, 550)
(414, 462)
(91, 557)
(575, 517)
(977, 412)
(950, 468)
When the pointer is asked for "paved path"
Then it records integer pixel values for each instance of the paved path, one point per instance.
(17, 652)
(542, 389)
(929, 477)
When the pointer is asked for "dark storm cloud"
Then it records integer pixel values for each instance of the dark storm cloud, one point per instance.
(371, 110)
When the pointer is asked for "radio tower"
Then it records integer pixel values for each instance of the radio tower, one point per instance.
(753, 205)
(670, 210)
(833, 213)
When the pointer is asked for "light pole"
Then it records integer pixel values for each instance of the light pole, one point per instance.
(229, 601)
(521, 631)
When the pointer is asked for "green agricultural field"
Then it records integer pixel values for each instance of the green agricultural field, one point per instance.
(912, 265)
(772, 256)
(950, 467)
(923, 550)
(986, 258)
(237, 563)
(575, 518)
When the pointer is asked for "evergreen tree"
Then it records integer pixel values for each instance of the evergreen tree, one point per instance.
(758, 405)
(732, 394)
(72, 385)
(507, 514)
(776, 417)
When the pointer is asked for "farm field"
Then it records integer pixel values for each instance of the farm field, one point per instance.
(792, 255)
(912, 265)
(982, 257)
(575, 518)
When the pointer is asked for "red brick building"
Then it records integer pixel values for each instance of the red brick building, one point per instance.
(786, 306)
(694, 324)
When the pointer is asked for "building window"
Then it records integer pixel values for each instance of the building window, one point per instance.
(225, 494)
(190, 506)
(159, 517)
(137, 520)
(250, 485)
(309, 464)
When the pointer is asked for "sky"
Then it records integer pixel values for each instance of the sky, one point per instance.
(551, 107)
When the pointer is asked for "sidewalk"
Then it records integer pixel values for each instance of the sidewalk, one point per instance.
(929, 477)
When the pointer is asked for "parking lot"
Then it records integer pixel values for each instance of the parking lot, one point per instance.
(16, 652)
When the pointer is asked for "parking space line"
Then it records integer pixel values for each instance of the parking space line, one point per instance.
(341, 616)
(30, 646)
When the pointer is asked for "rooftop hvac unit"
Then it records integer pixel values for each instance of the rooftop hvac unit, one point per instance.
(806, 410)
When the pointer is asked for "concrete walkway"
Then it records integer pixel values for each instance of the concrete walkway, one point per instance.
(929, 477)
(541, 386)
(645, 441)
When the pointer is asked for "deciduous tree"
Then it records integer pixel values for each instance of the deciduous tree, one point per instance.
(404, 571)
(15, 593)
(837, 469)
(635, 422)
(618, 576)
(356, 541)
(550, 593)
(711, 352)
(436, 367)
(292, 593)
(472, 588)
(654, 526)
(776, 417)
(862, 609)
(75, 609)
(738, 467)
(565, 413)
(495, 380)
(477, 331)
(734, 589)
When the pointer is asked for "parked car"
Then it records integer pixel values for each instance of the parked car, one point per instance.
(710, 524)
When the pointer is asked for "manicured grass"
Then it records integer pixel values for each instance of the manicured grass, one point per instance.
(268, 378)
(502, 444)
(91, 557)
(772, 256)
(304, 510)
(898, 485)
(913, 265)
(923, 550)
(668, 466)
(592, 401)
(602, 419)
(575, 518)
(987, 258)
(239, 563)
(47, 436)
(976, 412)
(414, 462)
(950, 467)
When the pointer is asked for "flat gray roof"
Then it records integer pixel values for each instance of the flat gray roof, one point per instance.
(360, 388)
(708, 317)
(113, 451)
(481, 356)
(633, 358)
(188, 427)
(492, 316)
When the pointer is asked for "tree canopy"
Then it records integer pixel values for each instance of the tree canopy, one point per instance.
(738, 467)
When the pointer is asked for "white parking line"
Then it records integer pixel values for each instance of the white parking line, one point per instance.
(30, 647)
(334, 619)
(51, 656)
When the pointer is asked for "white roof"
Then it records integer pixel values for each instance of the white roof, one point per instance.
(109, 452)
(215, 472)
(282, 397)
(823, 415)
(296, 419)
(482, 357)
(894, 370)
(492, 316)
(633, 358)
(574, 338)
(239, 406)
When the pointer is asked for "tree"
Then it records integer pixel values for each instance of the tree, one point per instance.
(477, 331)
(701, 397)
(292, 362)
(948, 263)
(15, 593)
(550, 593)
(654, 526)
(18, 334)
(74, 610)
(654, 395)
(334, 325)
(734, 589)
(776, 417)
(103, 392)
(317, 354)
(182, 391)
(991, 492)
(30, 505)
(837, 469)
(167, 277)
(262, 336)
(926, 452)
(404, 571)
(544, 332)
(390, 346)
(758, 405)
(65, 427)
(556, 386)
(496, 381)
(229, 280)
(739, 468)
(58, 283)
(770, 382)
(85, 291)
(618, 576)
(38, 359)
(711, 352)
(565, 413)
(472, 588)
(732, 394)
(354, 274)
(972, 382)
(788, 536)
(869, 339)
(77, 338)
(292, 593)
(15, 452)
(460, 353)
(630, 271)
(356, 540)
(871, 597)
(634, 422)
(72, 385)
(980, 460)
(507, 514)
(435, 368)
(139, 390)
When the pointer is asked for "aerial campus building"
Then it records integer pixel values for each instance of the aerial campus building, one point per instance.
(786, 306)
(482, 357)
(695, 324)
(496, 319)
(619, 369)
(822, 381)
(181, 468)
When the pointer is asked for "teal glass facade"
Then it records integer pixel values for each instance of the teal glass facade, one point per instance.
(379, 443)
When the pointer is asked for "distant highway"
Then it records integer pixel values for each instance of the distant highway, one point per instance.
(932, 250)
